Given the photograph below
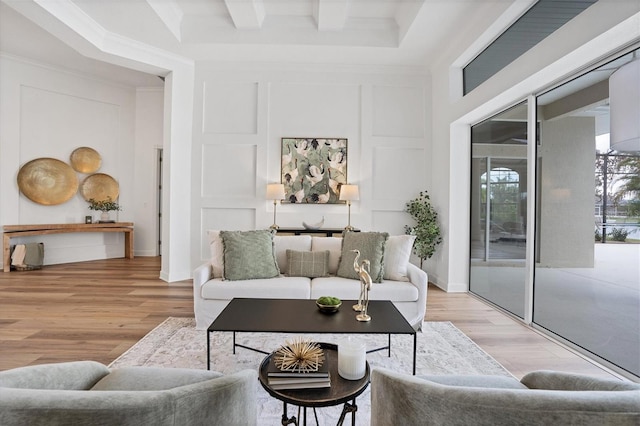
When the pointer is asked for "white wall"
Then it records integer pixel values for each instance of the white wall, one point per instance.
(598, 32)
(242, 112)
(48, 112)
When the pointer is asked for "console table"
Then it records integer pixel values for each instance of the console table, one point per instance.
(301, 231)
(12, 231)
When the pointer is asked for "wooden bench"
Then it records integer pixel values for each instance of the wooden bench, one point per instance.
(12, 231)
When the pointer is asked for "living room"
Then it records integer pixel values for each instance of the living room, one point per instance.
(222, 120)
(391, 115)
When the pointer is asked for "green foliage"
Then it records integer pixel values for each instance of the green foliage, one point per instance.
(328, 300)
(619, 234)
(426, 230)
(633, 208)
(598, 236)
(629, 176)
(103, 205)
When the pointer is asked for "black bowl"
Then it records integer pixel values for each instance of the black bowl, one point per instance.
(329, 309)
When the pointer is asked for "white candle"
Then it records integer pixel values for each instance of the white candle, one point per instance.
(352, 360)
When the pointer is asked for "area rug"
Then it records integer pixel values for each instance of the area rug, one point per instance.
(441, 349)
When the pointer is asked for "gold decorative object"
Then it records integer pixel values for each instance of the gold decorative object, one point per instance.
(99, 186)
(365, 285)
(300, 355)
(47, 181)
(85, 160)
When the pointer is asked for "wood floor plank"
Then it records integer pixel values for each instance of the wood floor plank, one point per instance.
(99, 309)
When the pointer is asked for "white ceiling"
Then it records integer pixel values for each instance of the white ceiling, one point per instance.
(22, 38)
(406, 33)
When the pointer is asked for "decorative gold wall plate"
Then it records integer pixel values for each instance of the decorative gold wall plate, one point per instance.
(100, 187)
(85, 160)
(47, 181)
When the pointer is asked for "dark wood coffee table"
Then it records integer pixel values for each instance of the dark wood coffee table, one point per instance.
(342, 391)
(303, 316)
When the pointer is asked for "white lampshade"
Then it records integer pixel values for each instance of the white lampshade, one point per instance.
(349, 193)
(275, 191)
(624, 103)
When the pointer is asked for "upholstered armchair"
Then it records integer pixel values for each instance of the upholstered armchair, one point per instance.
(540, 398)
(89, 393)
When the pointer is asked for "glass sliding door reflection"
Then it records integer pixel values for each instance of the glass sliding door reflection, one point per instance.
(499, 209)
(585, 290)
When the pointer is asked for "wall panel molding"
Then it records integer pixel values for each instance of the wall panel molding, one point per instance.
(229, 171)
(230, 107)
(399, 111)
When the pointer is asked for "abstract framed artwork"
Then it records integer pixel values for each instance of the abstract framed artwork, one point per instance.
(313, 169)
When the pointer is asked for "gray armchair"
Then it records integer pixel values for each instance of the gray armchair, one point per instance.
(540, 398)
(89, 393)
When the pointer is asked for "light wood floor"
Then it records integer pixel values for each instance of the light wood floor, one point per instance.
(97, 310)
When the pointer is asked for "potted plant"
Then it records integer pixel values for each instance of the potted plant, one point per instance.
(426, 229)
(104, 206)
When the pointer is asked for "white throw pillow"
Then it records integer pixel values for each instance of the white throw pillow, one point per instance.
(217, 253)
(397, 252)
(334, 245)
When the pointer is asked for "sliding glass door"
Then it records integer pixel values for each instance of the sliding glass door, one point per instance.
(580, 279)
(587, 271)
(499, 209)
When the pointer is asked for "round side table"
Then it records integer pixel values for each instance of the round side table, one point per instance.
(341, 391)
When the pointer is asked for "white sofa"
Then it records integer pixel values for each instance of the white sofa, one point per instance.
(211, 295)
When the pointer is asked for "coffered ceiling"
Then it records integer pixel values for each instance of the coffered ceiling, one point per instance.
(408, 33)
(379, 23)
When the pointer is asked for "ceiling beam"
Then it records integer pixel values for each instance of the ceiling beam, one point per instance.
(246, 14)
(331, 15)
(406, 14)
(170, 14)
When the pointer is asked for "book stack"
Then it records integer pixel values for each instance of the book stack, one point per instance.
(281, 380)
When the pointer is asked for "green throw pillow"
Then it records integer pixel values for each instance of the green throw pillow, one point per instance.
(310, 264)
(249, 255)
(371, 247)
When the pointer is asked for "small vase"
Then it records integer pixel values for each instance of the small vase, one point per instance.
(104, 217)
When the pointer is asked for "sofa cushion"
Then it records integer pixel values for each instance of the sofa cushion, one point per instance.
(334, 245)
(308, 263)
(348, 289)
(249, 255)
(371, 247)
(397, 252)
(217, 253)
(283, 243)
(268, 288)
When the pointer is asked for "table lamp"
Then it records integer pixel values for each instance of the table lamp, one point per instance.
(275, 192)
(349, 193)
